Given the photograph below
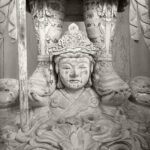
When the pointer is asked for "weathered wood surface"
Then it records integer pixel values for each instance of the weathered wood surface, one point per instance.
(22, 61)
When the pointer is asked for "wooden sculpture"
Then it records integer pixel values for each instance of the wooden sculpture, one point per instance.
(75, 100)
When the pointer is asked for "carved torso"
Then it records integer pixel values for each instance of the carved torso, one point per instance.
(63, 105)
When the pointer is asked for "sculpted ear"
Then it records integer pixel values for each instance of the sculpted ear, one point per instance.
(56, 68)
(91, 68)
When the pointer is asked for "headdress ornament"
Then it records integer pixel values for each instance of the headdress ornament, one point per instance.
(73, 41)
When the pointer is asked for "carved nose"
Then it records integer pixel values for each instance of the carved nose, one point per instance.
(74, 73)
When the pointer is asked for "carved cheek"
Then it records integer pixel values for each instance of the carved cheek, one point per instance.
(66, 72)
(84, 72)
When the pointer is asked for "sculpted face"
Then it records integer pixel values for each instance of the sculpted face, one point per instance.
(74, 72)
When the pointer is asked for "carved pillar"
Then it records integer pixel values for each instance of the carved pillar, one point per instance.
(100, 20)
(48, 19)
(22, 61)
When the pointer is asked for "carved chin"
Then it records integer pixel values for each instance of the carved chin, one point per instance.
(75, 84)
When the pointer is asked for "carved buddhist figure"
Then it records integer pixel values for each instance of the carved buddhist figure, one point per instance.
(73, 117)
(76, 99)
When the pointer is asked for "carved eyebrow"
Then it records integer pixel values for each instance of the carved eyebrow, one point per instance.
(70, 64)
(65, 63)
(83, 62)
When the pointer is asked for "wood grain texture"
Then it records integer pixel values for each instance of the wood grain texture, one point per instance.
(22, 61)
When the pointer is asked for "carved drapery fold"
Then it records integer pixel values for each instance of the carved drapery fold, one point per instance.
(140, 20)
(8, 17)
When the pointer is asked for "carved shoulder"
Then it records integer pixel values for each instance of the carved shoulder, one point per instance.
(93, 97)
(57, 99)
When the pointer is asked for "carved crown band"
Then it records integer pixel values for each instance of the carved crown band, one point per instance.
(73, 41)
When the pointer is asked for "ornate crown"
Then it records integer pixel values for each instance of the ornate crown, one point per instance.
(73, 41)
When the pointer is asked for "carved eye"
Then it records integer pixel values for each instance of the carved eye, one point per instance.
(66, 68)
(82, 67)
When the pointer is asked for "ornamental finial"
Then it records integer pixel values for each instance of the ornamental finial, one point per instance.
(73, 28)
